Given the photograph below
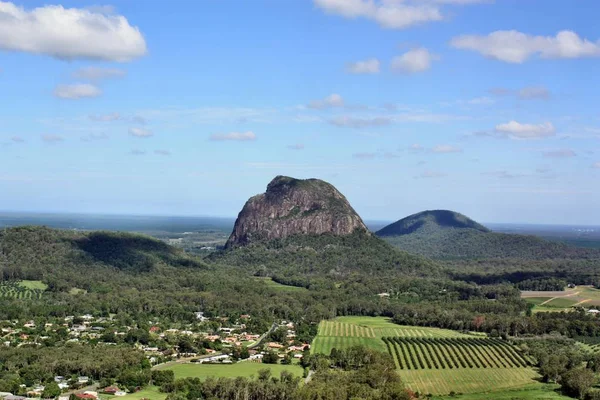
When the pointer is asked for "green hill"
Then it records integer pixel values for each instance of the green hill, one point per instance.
(445, 234)
(430, 221)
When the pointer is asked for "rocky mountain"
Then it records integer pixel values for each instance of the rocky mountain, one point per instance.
(294, 206)
(430, 221)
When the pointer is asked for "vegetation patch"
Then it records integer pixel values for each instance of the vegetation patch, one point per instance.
(26, 290)
(245, 369)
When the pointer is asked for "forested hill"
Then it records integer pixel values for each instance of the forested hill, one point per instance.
(302, 257)
(429, 222)
(471, 244)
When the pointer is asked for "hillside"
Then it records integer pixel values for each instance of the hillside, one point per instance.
(291, 207)
(430, 221)
(445, 234)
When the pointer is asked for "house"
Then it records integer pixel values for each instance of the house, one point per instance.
(83, 379)
(13, 397)
(200, 316)
(85, 396)
(273, 345)
(154, 329)
(111, 390)
(120, 393)
(593, 311)
(384, 294)
(63, 385)
(59, 378)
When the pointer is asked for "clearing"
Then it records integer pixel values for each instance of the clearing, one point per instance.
(544, 301)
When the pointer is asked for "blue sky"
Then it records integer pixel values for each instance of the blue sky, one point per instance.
(489, 108)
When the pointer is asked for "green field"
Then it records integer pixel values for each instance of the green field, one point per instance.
(432, 360)
(22, 289)
(150, 392)
(245, 368)
(280, 287)
(344, 332)
(536, 391)
(584, 296)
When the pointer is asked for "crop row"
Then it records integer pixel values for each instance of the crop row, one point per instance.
(451, 353)
(19, 292)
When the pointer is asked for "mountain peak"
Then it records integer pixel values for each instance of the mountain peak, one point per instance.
(293, 206)
(429, 221)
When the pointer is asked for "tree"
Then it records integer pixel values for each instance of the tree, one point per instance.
(51, 391)
(270, 358)
(578, 381)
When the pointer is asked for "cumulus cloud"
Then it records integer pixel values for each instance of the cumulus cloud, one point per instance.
(517, 47)
(413, 61)
(97, 73)
(106, 117)
(445, 148)
(77, 91)
(331, 101)
(370, 66)
(388, 14)
(297, 146)
(234, 136)
(162, 152)
(140, 132)
(49, 138)
(516, 130)
(83, 33)
(560, 153)
(358, 122)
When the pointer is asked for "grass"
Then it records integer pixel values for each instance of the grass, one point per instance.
(280, 287)
(344, 332)
(585, 296)
(536, 391)
(245, 369)
(150, 392)
(561, 303)
(537, 300)
(443, 382)
(34, 285)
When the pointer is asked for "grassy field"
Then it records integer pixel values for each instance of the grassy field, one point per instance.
(344, 332)
(150, 392)
(22, 289)
(245, 368)
(432, 360)
(278, 286)
(585, 296)
(536, 391)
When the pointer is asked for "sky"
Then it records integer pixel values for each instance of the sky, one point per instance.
(489, 108)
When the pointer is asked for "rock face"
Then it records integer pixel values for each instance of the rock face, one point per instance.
(294, 206)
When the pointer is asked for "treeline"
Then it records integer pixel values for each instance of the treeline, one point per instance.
(355, 373)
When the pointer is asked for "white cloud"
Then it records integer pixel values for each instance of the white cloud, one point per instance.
(49, 138)
(333, 100)
(136, 152)
(106, 117)
(533, 92)
(596, 165)
(445, 148)
(94, 136)
(370, 66)
(140, 132)
(358, 122)
(516, 130)
(413, 61)
(162, 152)
(386, 13)
(77, 91)
(560, 153)
(234, 136)
(97, 73)
(297, 146)
(478, 101)
(416, 148)
(17, 139)
(69, 33)
(517, 47)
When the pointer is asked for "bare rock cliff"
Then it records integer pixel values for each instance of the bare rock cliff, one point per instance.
(294, 206)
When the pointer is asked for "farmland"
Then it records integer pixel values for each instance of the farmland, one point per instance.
(245, 369)
(22, 289)
(432, 360)
(585, 296)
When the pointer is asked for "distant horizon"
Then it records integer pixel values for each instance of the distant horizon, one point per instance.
(233, 218)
